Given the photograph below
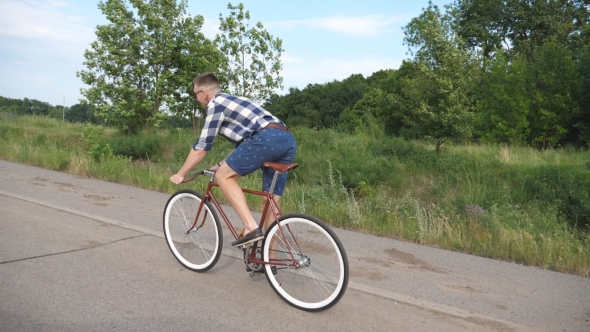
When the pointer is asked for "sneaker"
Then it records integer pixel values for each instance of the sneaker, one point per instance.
(254, 235)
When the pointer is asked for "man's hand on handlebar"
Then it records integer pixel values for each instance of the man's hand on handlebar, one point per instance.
(177, 178)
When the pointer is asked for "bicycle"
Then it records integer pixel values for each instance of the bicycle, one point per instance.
(302, 258)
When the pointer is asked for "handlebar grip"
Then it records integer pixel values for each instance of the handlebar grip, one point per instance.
(189, 177)
(192, 176)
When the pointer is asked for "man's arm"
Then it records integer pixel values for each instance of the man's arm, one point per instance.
(211, 127)
(193, 159)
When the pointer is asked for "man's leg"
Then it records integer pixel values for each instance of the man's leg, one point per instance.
(227, 180)
(268, 220)
(249, 156)
(270, 217)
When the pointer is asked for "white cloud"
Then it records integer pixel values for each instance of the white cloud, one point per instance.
(45, 21)
(35, 80)
(43, 44)
(365, 26)
(290, 59)
(210, 27)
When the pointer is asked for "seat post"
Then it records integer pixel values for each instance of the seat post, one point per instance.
(279, 168)
(272, 184)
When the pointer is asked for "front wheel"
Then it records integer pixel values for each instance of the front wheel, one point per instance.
(195, 241)
(310, 265)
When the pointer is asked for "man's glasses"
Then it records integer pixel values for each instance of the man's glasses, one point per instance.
(197, 93)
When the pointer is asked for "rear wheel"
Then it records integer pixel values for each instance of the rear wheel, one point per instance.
(197, 246)
(311, 264)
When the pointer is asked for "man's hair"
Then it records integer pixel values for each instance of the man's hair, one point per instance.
(207, 81)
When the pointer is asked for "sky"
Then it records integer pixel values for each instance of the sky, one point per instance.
(42, 42)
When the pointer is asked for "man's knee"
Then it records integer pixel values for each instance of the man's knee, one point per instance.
(225, 173)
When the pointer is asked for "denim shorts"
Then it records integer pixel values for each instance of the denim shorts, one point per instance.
(269, 144)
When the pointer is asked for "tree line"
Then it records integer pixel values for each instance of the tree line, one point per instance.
(500, 71)
(81, 112)
(488, 71)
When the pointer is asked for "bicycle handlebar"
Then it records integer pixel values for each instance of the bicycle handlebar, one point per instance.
(278, 167)
(188, 178)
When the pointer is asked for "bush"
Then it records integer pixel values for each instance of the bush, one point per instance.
(565, 187)
(137, 147)
(10, 131)
(40, 140)
(95, 144)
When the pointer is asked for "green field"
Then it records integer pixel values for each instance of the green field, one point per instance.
(511, 203)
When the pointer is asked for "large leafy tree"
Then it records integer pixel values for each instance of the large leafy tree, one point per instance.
(141, 65)
(555, 86)
(582, 117)
(253, 57)
(533, 85)
(504, 103)
(399, 101)
(482, 24)
(443, 79)
(520, 26)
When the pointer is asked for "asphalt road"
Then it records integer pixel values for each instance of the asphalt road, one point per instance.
(77, 254)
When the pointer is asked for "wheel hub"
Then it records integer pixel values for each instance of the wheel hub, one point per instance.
(304, 261)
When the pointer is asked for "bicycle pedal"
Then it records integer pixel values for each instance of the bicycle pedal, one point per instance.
(248, 269)
(254, 274)
(263, 271)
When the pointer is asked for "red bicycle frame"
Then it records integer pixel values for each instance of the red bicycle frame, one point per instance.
(270, 203)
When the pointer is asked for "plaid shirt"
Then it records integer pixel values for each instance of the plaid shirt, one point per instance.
(234, 118)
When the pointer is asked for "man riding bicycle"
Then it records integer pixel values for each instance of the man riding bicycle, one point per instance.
(258, 137)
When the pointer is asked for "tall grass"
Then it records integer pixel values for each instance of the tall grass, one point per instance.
(511, 203)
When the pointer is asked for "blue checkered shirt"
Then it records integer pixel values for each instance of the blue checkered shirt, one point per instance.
(234, 118)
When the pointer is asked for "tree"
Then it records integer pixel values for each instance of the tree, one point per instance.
(520, 25)
(368, 108)
(582, 117)
(318, 105)
(35, 107)
(142, 63)
(25, 106)
(57, 112)
(397, 110)
(543, 40)
(9, 105)
(482, 24)
(444, 76)
(504, 105)
(555, 85)
(379, 76)
(82, 112)
(253, 56)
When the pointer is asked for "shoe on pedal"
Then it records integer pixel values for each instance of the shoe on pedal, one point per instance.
(254, 235)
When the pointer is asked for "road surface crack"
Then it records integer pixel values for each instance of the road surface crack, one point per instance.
(73, 250)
